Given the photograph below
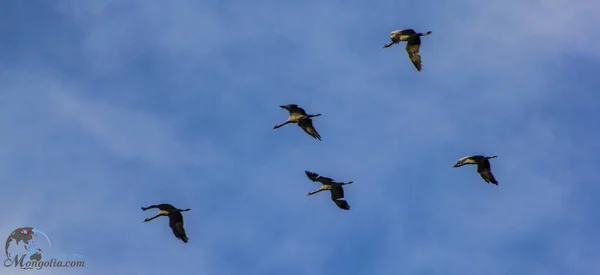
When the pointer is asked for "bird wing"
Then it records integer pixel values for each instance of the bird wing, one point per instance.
(175, 217)
(483, 165)
(163, 206)
(306, 125)
(395, 36)
(311, 175)
(325, 180)
(401, 35)
(408, 31)
(412, 48)
(176, 224)
(342, 204)
(179, 232)
(289, 107)
(337, 193)
(293, 109)
(405, 35)
(166, 206)
(463, 159)
(316, 178)
(488, 176)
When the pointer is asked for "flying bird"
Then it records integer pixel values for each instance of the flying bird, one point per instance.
(413, 44)
(483, 166)
(300, 117)
(337, 192)
(175, 218)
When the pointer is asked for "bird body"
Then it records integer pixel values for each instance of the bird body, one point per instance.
(337, 192)
(404, 35)
(413, 44)
(483, 166)
(401, 35)
(163, 212)
(175, 218)
(300, 117)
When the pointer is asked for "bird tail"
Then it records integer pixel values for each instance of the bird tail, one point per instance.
(427, 33)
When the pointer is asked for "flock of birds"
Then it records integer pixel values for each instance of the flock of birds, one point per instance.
(298, 116)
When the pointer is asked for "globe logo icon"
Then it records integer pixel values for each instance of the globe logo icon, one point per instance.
(26, 242)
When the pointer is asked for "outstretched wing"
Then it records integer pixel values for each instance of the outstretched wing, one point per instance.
(163, 206)
(315, 177)
(395, 37)
(293, 109)
(342, 204)
(311, 175)
(483, 165)
(407, 31)
(176, 224)
(337, 193)
(306, 125)
(488, 177)
(412, 48)
(484, 168)
(461, 161)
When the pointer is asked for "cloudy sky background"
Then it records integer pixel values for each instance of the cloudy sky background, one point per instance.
(111, 105)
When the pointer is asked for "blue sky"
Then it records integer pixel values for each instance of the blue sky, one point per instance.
(112, 105)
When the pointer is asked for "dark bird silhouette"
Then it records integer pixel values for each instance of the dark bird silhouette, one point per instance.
(483, 166)
(337, 192)
(299, 116)
(413, 44)
(175, 218)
